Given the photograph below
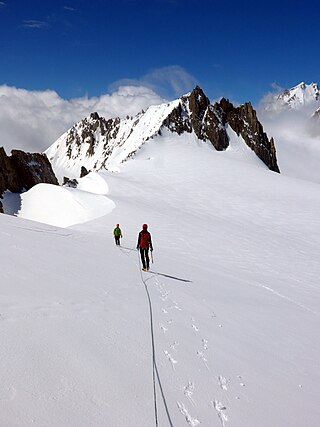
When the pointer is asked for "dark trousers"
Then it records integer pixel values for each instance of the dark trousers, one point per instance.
(117, 239)
(145, 257)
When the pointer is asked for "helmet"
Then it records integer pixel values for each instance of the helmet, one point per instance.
(145, 226)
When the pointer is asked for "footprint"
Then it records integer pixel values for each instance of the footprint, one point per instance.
(193, 422)
(171, 359)
(164, 311)
(202, 356)
(188, 391)
(241, 382)
(220, 408)
(195, 327)
(164, 296)
(204, 344)
(163, 328)
(174, 345)
(176, 306)
(223, 382)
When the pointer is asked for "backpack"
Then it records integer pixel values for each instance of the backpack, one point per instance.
(144, 239)
(117, 231)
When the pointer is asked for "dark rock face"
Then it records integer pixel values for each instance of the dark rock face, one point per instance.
(195, 113)
(71, 183)
(243, 120)
(21, 171)
(89, 127)
(83, 172)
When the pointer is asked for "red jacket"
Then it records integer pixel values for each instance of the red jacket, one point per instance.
(144, 240)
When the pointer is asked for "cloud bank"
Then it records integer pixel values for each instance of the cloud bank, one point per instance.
(33, 120)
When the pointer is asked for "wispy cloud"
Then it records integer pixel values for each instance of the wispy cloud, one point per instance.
(34, 23)
(2, 3)
(171, 81)
(71, 9)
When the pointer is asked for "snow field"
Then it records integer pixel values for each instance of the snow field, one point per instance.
(236, 346)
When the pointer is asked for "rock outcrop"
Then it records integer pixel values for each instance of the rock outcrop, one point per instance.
(21, 171)
(243, 120)
(195, 113)
(209, 124)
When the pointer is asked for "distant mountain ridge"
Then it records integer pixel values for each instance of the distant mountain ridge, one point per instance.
(296, 98)
(96, 143)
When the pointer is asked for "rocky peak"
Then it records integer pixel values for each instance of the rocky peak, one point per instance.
(198, 102)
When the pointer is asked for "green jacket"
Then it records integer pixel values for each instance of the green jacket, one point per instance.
(117, 232)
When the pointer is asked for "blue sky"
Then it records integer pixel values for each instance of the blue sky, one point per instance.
(236, 49)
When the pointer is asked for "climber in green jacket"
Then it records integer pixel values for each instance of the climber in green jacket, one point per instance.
(117, 234)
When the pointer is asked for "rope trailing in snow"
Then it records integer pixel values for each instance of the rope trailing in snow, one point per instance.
(153, 349)
(155, 372)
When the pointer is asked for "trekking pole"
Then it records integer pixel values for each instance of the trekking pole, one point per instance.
(151, 257)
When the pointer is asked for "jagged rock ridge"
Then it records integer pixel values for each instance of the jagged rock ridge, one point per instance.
(99, 143)
(21, 171)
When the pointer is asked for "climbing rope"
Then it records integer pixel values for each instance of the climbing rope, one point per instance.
(155, 372)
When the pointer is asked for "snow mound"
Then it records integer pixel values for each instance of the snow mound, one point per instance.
(93, 183)
(63, 207)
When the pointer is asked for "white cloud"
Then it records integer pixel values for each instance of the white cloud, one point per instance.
(297, 138)
(33, 23)
(171, 81)
(33, 120)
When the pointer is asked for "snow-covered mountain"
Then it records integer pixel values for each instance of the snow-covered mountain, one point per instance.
(295, 98)
(96, 143)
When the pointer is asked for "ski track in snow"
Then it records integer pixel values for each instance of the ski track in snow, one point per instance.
(260, 285)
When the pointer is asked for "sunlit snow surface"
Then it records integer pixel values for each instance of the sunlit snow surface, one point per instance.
(64, 206)
(236, 346)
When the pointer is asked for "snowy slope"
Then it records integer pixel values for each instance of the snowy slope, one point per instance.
(236, 346)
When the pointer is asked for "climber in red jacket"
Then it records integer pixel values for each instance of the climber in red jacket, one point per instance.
(144, 244)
